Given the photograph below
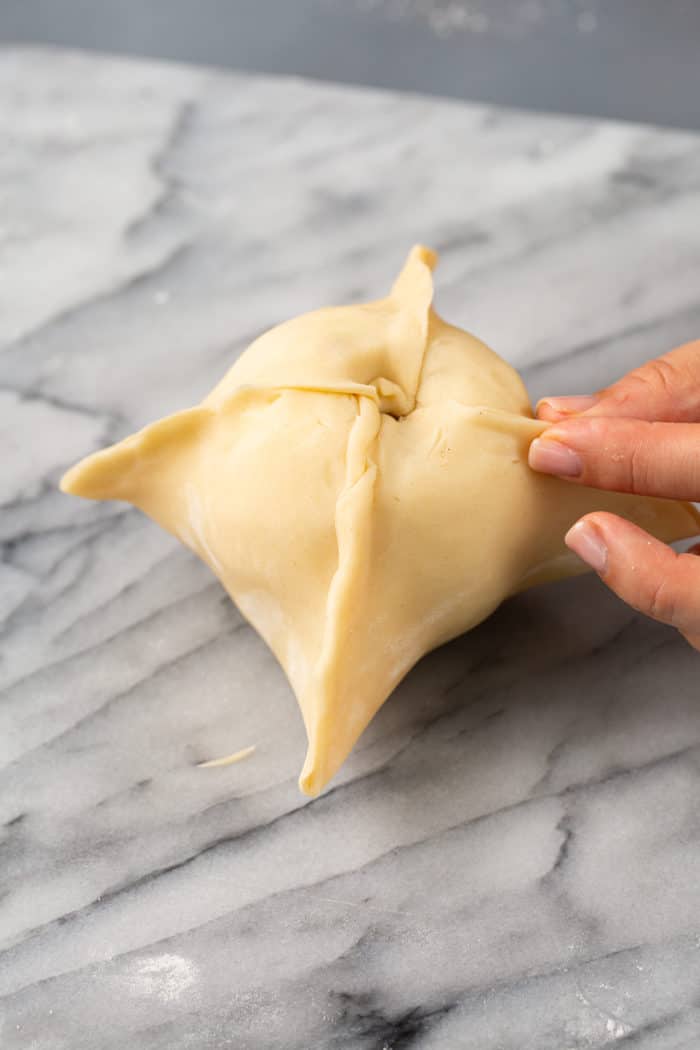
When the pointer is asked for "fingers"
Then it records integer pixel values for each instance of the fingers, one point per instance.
(666, 389)
(644, 572)
(624, 455)
(553, 409)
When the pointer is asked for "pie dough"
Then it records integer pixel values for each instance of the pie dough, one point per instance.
(358, 481)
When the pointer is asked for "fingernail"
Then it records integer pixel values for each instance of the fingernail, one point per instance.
(556, 407)
(586, 541)
(551, 457)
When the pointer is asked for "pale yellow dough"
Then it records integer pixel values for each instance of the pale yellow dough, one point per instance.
(358, 481)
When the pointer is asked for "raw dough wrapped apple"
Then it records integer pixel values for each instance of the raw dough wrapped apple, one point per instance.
(358, 481)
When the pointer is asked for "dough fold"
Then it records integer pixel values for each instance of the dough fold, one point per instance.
(358, 481)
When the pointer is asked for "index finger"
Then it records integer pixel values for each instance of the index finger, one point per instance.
(666, 389)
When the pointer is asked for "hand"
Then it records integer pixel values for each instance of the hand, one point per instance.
(640, 435)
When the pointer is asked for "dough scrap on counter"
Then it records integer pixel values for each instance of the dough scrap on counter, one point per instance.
(358, 481)
(228, 760)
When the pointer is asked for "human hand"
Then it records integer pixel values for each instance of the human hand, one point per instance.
(641, 435)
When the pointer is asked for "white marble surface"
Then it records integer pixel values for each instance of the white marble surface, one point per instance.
(511, 859)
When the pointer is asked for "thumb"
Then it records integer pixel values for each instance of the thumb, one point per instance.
(625, 455)
(666, 389)
(644, 572)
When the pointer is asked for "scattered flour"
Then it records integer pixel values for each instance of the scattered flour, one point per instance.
(164, 976)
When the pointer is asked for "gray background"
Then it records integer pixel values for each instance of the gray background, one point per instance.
(634, 59)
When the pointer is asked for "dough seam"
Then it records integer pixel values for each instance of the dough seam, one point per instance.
(353, 527)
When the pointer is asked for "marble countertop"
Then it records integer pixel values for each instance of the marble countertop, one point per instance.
(511, 859)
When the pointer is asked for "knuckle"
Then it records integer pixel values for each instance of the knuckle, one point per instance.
(664, 375)
(670, 382)
(656, 378)
(637, 468)
(661, 601)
